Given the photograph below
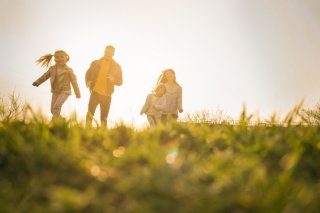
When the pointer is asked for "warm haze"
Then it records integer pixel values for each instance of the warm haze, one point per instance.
(225, 53)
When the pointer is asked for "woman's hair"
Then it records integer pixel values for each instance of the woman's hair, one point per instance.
(163, 79)
(45, 60)
(158, 86)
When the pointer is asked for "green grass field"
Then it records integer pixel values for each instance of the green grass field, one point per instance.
(61, 166)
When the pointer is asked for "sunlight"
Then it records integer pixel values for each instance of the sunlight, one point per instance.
(227, 59)
(235, 143)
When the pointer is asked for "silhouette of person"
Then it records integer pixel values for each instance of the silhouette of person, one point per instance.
(61, 76)
(173, 95)
(154, 104)
(101, 78)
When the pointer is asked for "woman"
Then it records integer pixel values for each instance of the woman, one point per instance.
(173, 95)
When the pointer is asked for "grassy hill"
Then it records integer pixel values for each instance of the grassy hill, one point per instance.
(61, 166)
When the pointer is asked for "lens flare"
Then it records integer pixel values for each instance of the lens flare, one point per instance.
(171, 156)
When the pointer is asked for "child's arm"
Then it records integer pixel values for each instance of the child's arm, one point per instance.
(42, 79)
(73, 79)
(146, 105)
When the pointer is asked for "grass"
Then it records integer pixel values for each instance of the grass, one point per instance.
(61, 166)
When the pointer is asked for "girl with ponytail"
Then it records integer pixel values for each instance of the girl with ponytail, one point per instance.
(61, 76)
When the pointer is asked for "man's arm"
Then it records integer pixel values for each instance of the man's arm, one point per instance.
(117, 78)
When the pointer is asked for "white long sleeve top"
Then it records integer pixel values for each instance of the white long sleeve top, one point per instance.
(173, 99)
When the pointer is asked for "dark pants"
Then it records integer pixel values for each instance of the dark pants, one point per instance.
(95, 100)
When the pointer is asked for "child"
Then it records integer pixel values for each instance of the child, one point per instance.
(155, 102)
(60, 78)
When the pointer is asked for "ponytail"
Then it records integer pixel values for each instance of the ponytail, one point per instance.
(45, 60)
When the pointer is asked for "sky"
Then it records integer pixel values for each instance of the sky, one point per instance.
(226, 53)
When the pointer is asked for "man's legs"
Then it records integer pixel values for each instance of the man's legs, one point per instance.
(93, 103)
(105, 102)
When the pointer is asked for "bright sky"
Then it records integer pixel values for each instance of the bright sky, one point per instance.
(265, 53)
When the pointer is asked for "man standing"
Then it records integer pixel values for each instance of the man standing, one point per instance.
(101, 77)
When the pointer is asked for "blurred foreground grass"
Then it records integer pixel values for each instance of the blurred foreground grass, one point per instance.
(61, 166)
